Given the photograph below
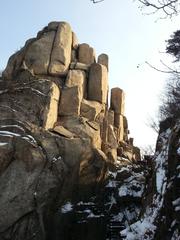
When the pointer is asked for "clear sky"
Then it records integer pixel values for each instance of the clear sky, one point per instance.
(115, 27)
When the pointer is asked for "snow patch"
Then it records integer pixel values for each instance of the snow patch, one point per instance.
(68, 207)
(92, 215)
(3, 144)
(139, 230)
(176, 202)
(133, 188)
(111, 184)
(178, 151)
(10, 134)
(85, 203)
(177, 208)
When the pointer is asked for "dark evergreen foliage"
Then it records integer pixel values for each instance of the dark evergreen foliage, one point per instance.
(173, 45)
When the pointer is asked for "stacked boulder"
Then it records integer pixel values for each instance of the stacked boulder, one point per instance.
(77, 90)
(57, 134)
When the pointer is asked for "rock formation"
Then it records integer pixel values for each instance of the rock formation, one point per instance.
(57, 132)
(68, 168)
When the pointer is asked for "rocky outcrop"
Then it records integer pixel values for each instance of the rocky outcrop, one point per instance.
(68, 168)
(79, 87)
(57, 132)
(159, 218)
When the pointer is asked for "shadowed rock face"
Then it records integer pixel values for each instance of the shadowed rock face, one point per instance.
(57, 133)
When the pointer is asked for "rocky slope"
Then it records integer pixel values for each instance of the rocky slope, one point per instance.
(68, 169)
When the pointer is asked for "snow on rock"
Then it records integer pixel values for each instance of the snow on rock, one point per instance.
(178, 151)
(3, 144)
(176, 202)
(9, 134)
(85, 203)
(92, 215)
(161, 160)
(113, 174)
(133, 188)
(145, 227)
(67, 207)
(139, 230)
(176, 235)
(118, 217)
(111, 184)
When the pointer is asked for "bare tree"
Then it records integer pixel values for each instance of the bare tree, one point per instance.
(147, 150)
(169, 8)
(170, 107)
(153, 123)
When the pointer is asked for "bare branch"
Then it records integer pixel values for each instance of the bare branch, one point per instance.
(170, 70)
(97, 1)
(168, 7)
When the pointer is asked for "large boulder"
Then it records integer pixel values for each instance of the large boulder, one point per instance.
(37, 57)
(61, 52)
(117, 100)
(70, 102)
(83, 128)
(47, 54)
(80, 66)
(88, 171)
(36, 167)
(86, 54)
(51, 110)
(77, 78)
(104, 60)
(98, 83)
(36, 102)
(90, 109)
(15, 62)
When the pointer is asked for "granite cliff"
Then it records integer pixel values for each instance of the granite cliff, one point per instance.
(68, 169)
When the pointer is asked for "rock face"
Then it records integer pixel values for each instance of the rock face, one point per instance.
(86, 54)
(98, 83)
(104, 60)
(57, 134)
(61, 51)
(159, 218)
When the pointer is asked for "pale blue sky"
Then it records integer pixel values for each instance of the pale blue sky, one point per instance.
(114, 27)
